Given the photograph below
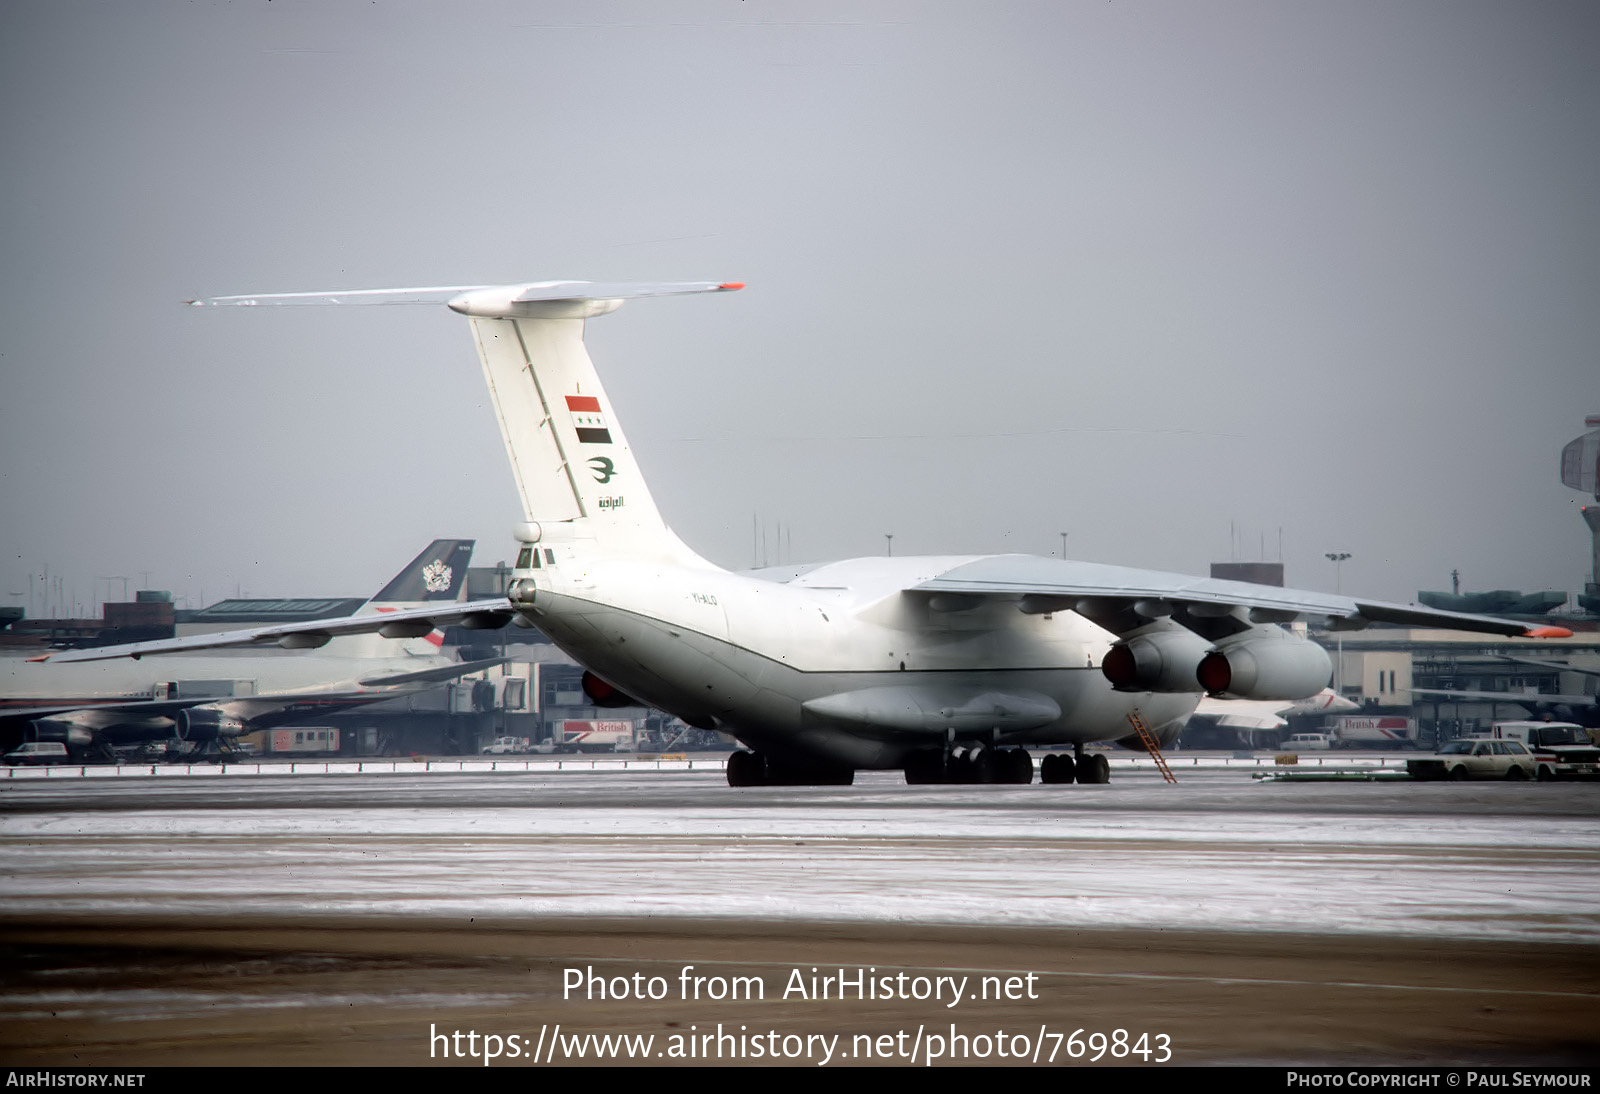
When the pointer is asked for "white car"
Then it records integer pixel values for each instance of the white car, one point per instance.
(36, 754)
(1309, 742)
(1479, 759)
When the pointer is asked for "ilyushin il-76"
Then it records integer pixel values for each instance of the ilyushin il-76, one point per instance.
(950, 668)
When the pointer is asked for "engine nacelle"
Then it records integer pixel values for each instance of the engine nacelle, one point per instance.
(67, 733)
(602, 694)
(1162, 661)
(1265, 663)
(199, 724)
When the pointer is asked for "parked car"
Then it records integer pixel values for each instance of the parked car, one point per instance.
(1479, 759)
(37, 753)
(1309, 742)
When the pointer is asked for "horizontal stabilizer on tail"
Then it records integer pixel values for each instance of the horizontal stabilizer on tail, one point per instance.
(524, 293)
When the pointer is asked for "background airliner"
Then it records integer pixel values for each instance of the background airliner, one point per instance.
(944, 667)
(94, 707)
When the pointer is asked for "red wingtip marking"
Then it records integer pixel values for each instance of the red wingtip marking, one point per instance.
(41, 657)
(730, 286)
(1547, 632)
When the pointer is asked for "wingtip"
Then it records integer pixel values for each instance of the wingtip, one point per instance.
(1547, 632)
(730, 286)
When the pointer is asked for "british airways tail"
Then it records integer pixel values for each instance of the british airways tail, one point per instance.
(575, 472)
(438, 575)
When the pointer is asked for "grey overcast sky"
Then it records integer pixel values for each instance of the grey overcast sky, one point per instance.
(1176, 278)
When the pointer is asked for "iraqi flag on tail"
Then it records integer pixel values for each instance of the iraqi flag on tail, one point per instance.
(587, 419)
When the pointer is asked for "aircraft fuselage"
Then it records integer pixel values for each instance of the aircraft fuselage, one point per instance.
(839, 665)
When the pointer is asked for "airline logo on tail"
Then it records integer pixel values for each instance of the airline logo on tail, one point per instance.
(436, 577)
(587, 419)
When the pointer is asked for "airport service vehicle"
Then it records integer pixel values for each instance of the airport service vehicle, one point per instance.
(1478, 759)
(947, 667)
(1309, 742)
(37, 754)
(1365, 731)
(506, 746)
(593, 736)
(303, 741)
(1564, 749)
(94, 708)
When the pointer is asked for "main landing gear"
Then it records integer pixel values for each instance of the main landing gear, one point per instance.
(970, 764)
(759, 769)
(1061, 768)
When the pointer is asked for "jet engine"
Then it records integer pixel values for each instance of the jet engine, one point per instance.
(200, 724)
(1265, 662)
(602, 694)
(1162, 661)
(68, 733)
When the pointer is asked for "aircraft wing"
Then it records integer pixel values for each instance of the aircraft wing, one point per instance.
(1243, 714)
(433, 675)
(1526, 699)
(1554, 665)
(371, 688)
(1101, 592)
(408, 622)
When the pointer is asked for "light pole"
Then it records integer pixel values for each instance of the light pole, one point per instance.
(1337, 558)
(888, 544)
(1063, 545)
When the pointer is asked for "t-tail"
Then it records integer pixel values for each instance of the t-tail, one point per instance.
(575, 472)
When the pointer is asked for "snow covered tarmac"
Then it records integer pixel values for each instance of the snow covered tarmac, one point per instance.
(1216, 852)
(338, 918)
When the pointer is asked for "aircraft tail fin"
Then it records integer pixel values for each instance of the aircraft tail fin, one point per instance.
(437, 575)
(575, 472)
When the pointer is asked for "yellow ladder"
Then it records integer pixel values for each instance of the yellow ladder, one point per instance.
(1151, 745)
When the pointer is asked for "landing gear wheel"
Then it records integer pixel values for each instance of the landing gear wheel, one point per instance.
(746, 769)
(1094, 769)
(925, 767)
(1018, 766)
(1057, 769)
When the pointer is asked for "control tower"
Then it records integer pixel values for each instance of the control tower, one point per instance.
(1580, 469)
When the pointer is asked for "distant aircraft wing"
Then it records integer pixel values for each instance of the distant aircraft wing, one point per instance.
(1243, 713)
(409, 622)
(433, 675)
(370, 689)
(1101, 592)
(1556, 666)
(1526, 699)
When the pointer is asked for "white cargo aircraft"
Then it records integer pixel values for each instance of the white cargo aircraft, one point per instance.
(944, 667)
